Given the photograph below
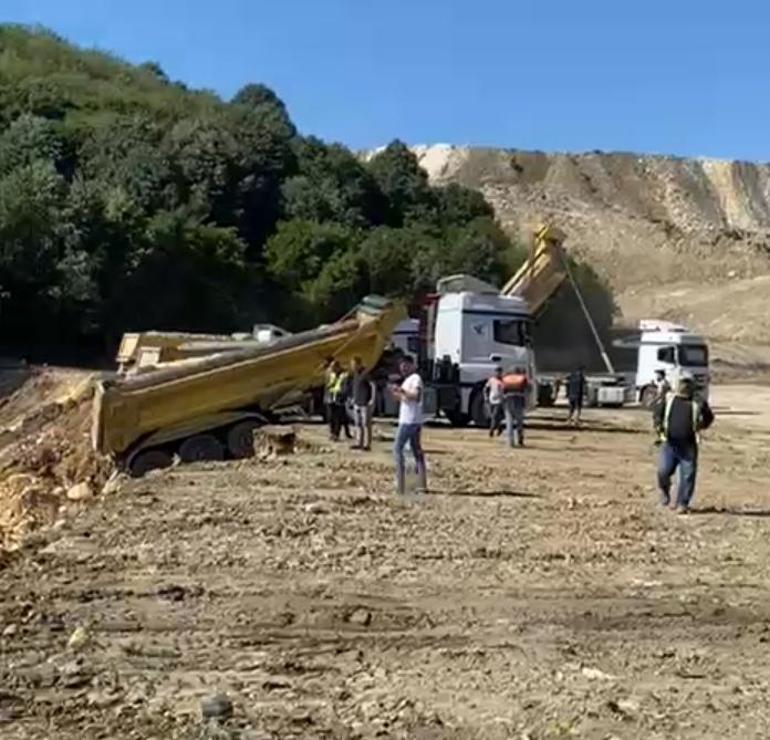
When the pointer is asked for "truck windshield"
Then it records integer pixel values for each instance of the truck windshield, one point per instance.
(693, 355)
(511, 331)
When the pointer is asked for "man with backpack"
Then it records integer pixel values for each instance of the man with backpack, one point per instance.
(515, 388)
(678, 421)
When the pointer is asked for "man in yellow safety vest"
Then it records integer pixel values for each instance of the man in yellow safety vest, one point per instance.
(678, 421)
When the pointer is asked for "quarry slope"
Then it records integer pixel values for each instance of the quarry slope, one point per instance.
(686, 239)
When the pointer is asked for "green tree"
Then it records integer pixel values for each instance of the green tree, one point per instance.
(332, 185)
(261, 98)
(405, 184)
(126, 152)
(315, 261)
(29, 139)
(460, 205)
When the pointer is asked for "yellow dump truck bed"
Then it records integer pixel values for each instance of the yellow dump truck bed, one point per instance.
(543, 272)
(176, 402)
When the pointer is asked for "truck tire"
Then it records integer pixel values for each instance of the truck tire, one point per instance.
(648, 396)
(592, 397)
(478, 410)
(546, 395)
(201, 447)
(240, 439)
(148, 460)
(457, 418)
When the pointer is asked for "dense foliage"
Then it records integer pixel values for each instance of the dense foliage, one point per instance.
(128, 201)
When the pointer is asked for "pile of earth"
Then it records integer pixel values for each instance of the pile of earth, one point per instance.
(681, 239)
(47, 464)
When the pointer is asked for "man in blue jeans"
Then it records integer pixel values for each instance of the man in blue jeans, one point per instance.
(409, 393)
(679, 418)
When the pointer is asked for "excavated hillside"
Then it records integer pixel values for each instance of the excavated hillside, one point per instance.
(683, 239)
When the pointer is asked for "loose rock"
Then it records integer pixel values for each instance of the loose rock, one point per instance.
(217, 706)
(80, 492)
(78, 639)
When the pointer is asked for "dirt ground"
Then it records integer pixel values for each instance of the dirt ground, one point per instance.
(535, 593)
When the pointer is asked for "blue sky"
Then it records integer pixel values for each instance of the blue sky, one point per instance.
(681, 77)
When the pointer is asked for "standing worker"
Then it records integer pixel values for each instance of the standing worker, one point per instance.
(329, 381)
(662, 386)
(363, 393)
(410, 394)
(678, 422)
(576, 388)
(337, 385)
(493, 393)
(515, 388)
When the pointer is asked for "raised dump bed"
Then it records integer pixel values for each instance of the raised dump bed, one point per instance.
(208, 408)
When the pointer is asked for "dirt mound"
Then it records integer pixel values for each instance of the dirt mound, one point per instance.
(46, 458)
(667, 233)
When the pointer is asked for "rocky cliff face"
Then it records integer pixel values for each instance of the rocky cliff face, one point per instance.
(678, 238)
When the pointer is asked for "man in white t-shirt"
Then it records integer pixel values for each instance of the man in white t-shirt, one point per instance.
(410, 394)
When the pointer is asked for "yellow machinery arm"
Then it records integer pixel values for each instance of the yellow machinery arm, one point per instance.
(542, 273)
(204, 394)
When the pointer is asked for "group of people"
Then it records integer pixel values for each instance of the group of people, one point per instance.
(355, 388)
(344, 386)
(506, 398)
(678, 418)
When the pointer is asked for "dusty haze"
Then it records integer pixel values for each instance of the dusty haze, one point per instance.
(685, 239)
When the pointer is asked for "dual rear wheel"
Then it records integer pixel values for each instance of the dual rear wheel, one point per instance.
(236, 441)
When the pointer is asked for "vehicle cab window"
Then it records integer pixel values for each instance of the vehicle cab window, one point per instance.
(511, 331)
(667, 355)
(693, 355)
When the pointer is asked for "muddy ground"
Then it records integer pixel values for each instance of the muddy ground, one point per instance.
(536, 593)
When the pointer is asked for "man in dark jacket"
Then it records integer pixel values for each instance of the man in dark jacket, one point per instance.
(576, 388)
(678, 421)
(363, 393)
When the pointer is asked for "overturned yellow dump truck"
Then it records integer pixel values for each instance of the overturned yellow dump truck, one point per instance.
(208, 408)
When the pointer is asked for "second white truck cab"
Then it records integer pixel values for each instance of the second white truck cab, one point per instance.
(675, 350)
(469, 329)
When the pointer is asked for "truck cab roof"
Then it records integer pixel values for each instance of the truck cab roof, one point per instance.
(485, 303)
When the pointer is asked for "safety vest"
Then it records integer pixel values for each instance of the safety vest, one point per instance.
(334, 384)
(667, 414)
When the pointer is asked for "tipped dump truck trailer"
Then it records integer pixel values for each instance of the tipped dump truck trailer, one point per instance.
(208, 408)
(143, 351)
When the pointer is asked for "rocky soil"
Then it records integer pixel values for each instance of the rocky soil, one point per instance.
(536, 593)
(683, 239)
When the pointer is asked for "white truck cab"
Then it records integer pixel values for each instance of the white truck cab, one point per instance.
(476, 332)
(675, 350)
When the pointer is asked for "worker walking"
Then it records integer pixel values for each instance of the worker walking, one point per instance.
(363, 393)
(410, 395)
(576, 388)
(515, 389)
(678, 421)
(493, 394)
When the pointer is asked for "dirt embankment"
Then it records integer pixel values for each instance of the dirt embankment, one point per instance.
(46, 460)
(682, 239)
(535, 593)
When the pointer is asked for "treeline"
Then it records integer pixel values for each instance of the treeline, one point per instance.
(128, 201)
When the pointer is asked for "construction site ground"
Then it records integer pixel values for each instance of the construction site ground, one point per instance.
(535, 593)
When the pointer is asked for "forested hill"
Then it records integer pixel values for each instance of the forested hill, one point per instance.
(128, 201)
